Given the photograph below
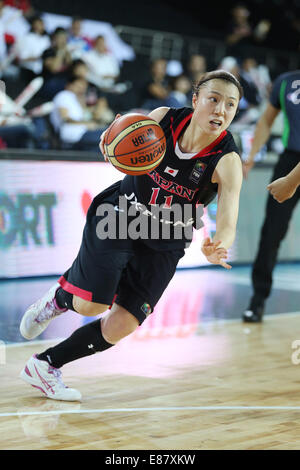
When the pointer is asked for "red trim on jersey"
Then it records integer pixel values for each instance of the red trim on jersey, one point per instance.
(179, 128)
(83, 294)
(202, 152)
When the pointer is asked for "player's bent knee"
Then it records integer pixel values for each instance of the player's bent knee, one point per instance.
(86, 308)
(117, 324)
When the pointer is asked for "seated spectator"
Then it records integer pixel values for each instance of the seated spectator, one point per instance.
(180, 88)
(239, 28)
(79, 69)
(30, 49)
(93, 96)
(156, 90)
(24, 5)
(251, 98)
(241, 31)
(15, 25)
(103, 67)
(77, 44)
(258, 75)
(195, 67)
(56, 61)
(78, 128)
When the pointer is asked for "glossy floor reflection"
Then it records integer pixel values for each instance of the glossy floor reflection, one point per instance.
(192, 297)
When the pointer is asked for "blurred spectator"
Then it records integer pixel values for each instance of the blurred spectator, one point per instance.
(179, 95)
(78, 128)
(257, 74)
(30, 49)
(251, 98)
(79, 69)
(77, 44)
(93, 97)
(13, 23)
(195, 67)
(156, 90)
(103, 67)
(56, 61)
(24, 5)
(240, 31)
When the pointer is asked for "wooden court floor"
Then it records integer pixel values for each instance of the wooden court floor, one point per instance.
(220, 385)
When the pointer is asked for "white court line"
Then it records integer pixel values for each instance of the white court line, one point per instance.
(141, 410)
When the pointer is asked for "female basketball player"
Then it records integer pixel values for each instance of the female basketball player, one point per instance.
(131, 275)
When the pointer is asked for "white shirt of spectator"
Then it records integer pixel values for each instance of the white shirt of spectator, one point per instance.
(100, 66)
(69, 132)
(32, 45)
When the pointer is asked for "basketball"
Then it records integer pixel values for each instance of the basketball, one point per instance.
(135, 144)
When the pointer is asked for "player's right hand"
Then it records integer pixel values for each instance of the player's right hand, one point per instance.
(102, 137)
(214, 253)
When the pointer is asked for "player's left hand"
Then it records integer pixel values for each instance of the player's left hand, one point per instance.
(281, 189)
(215, 254)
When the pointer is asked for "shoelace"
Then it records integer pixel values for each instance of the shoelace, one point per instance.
(57, 374)
(48, 312)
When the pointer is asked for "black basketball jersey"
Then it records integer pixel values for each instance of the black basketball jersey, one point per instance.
(180, 178)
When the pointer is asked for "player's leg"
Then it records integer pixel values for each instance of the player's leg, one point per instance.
(89, 286)
(55, 302)
(43, 370)
(144, 280)
(274, 229)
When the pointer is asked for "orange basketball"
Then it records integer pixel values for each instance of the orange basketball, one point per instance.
(135, 144)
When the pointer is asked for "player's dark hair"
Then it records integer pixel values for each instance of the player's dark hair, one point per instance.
(220, 75)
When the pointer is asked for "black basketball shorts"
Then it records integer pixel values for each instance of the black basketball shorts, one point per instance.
(128, 272)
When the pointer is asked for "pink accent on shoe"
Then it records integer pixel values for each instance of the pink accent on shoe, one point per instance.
(27, 371)
(35, 386)
(47, 385)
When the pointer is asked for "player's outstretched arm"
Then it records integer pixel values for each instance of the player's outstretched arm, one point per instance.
(228, 175)
(284, 188)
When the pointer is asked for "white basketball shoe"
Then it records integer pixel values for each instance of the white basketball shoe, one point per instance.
(48, 380)
(38, 316)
